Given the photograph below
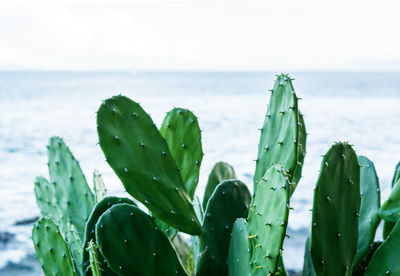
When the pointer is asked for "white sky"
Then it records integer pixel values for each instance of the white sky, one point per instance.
(214, 35)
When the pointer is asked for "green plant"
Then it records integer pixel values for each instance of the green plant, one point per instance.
(231, 232)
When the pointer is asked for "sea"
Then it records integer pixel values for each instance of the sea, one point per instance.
(362, 108)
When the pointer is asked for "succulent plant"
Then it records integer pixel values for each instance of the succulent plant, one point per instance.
(231, 231)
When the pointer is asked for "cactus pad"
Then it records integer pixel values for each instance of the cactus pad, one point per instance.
(335, 212)
(239, 253)
(369, 208)
(182, 133)
(220, 172)
(268, 221)
(229, 201)
(72, 193)
(279, 140)
(99, 187)
(385, 260)
(51, 249)
(133, 250)
(140, 157)
(90, 230)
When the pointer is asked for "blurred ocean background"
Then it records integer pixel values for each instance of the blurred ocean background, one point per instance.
(362, 108)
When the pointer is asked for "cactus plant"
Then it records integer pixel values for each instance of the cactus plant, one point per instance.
(239, 254)
(388, 226)
(140, 157)
(97, 211)
(283, 136)
(220, 172)
(268, 220)
(368, 220)
(385, 260)
(132, 244)
(51, 249)
(229, 201)
(335, 212)
(308, 267)
(182, 134)
(74, 198)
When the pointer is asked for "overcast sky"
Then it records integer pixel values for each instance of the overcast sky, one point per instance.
(199, 35)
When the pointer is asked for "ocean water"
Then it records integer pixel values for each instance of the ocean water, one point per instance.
(362, 108)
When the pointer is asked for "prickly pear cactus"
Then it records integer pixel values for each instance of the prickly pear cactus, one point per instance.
(51, 249)
(97, 211)
(385, 260)
(335, 212)
(45, 194)
(133, 250)
(229, 201)
(182, 133)
(239, 254)
(140, 157)
(388, 226)
(368, 220)
(100, 190)
(279, 140)
(220, 172)
(308, 267)
(75, 247)
(390, 210)
(72, 193)
(301, 152)
(268, 220)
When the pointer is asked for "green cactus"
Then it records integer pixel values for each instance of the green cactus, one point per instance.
(229, 201)
(368, 220)
(132, 244)
(220, 172)
(388, 226)
(72, 194)
(75, 246)
(282, 134)
(335, 212)
(385, 260)
(301, 152)
(239, 254)
(182, 134)
(45, 194)
(95, 265)
(308, 267)
(390, 210)
(97, 211)
(140, 157)
(268, 220)
(99, 187)
(195, 239)
(51, 249)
